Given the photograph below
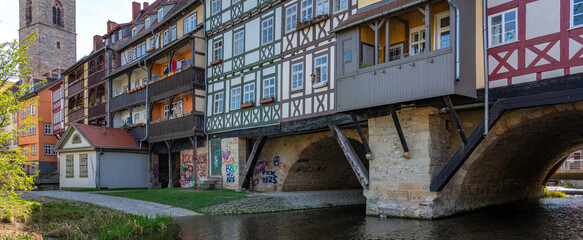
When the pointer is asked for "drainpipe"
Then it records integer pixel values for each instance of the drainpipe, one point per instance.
(208, 151)
(486, 83)
(457, 39)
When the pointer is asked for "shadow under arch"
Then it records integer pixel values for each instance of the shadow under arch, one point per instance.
(516, 163)
(323, 166)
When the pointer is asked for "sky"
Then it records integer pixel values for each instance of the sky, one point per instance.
(92, 16)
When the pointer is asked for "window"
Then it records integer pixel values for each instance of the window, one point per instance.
(322, 7)
(25, 150)
(340, 5)
(22, 114)
(306, 10)
(395, 52)
(576, 13)
(107, 41)
(417, 40)
(218, 50)
(48, 129)
(31, 110)
(503, 28)
(238, 43)
(321, 70)
(267, 31)
(23, 132)
(249, 95)
(166, 37)
(113, 38)
(190, 23)
(57, 14)
(120, 35)
(32, 130)
(269, 88)
(442, 30)
(235, 98)
(174, 36)
(347, 56)
(177, 109)
(147, 23)
(216, 6)
(28, 12)
(134, 32)
(33, 150)
(160, 14)
(219, 103)
(76, 139)
(166, 111)
(50, 150)
(69, 166)
(291, 19)
(298, 76)
(58, 45)
(83, 165)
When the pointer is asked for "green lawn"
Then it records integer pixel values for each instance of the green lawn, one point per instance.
(180, 197)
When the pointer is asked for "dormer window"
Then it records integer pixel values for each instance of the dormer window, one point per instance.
(147, 22)
(160, 14)
(133, 32)
(113, 38)
(120, 35)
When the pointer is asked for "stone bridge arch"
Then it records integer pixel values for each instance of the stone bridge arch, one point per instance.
(306, 162)
(516, 159)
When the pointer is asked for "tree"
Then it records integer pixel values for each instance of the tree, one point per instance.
(13, 66)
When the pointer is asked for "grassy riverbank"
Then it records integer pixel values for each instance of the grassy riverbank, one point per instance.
(52, 218)
(183, 198)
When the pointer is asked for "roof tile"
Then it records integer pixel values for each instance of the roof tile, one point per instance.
(106, 137)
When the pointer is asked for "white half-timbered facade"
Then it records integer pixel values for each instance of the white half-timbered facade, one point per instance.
(243, 70)
(308, 56)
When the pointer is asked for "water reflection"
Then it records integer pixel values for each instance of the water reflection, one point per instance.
(532, 219)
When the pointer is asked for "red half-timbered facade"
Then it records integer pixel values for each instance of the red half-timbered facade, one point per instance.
(530, 40)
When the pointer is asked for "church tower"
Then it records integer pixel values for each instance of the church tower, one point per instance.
(56, 42)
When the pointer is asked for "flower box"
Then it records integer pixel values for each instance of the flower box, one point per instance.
(267, 100)
(215, 62)
(247, 104)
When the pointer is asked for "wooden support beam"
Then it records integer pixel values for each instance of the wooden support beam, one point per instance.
(399, 131)
(194, 142)
(456, 120)
(361, 134)
(427, 28)
(169, 146)
(250, 165)
(355, 162)
(387, 40)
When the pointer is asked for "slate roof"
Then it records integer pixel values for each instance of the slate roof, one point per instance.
(108, 138)
(374, 13)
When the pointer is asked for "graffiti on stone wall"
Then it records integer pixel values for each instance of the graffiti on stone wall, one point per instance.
(311, 169)
(201, 165)
(187, 175)
(155, 172)
(216, 158)
(230, 166)
(268, 171)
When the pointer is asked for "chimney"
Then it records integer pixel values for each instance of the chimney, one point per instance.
(135, 10)
(146, 5)
(97, 40)
(111, 25)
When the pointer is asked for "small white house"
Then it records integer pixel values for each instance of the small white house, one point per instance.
(101, 157)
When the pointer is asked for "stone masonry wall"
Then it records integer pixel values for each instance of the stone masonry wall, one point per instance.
(233, 157)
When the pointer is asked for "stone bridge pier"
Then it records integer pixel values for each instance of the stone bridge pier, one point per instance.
(514, 161)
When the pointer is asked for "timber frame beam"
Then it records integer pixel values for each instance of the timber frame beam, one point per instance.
(400, 132)
(250, 165)
(355, 162)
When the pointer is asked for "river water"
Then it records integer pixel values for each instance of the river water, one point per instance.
(529, 219)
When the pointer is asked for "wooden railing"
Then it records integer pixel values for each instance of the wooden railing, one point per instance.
(139, 132)
(75, 87)
(175, 128)
(97, 110)
(96, 78)
(73, 116)
(128, 99)
(177, 82)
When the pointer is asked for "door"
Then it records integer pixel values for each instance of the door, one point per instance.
(216, 157)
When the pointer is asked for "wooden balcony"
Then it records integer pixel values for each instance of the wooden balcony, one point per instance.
(96, 78)
(76, 87)
(75, 115)
(176, 128)
(417, 77)
(176, 83)
(97, 110)
(138, 131)
(128, 99)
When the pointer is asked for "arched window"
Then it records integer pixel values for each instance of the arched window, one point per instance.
(58, 13)
(28, 12)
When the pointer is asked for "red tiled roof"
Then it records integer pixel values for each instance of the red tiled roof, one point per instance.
(360, 16)
(108, 138)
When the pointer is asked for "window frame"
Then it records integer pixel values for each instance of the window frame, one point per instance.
(160, 14)
(50, 128)
(173, 33)
(49, 150)
(269, 87)
(572, 14)
(291, 18)
(166, 36)
(421, 42)
(308, 9)
(83, 166)
(438, 29)
(240, 42)
(320, 73)
(218, 103)
(33, 150)
(296, 72)
(69, 166)
(215, 8)
(249, 93)
(338, 3)
(325, 6)
(236, 98)
(503, 26)
(266, 36)
(189, 23)
(218, 51)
